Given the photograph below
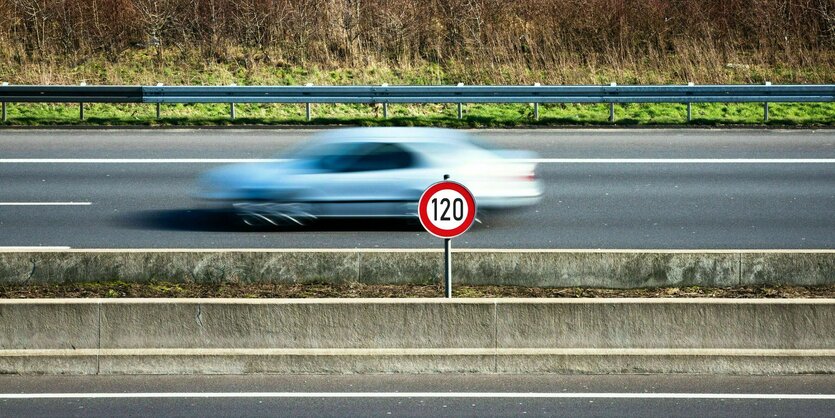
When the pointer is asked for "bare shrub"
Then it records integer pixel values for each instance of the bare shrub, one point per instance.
(491, 39)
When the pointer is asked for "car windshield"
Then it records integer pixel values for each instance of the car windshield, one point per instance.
(318, 150)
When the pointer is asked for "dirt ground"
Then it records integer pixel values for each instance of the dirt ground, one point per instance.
(356, 290)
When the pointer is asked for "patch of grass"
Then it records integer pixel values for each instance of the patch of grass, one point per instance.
(189, 68)
(444, 115)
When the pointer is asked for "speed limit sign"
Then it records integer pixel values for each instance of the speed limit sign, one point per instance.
(446, 209)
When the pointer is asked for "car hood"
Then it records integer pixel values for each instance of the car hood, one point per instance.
(231, 181)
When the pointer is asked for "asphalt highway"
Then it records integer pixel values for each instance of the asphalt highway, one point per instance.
(418, 396)
(629, 188)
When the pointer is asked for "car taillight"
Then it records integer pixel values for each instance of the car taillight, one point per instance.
(529, 177)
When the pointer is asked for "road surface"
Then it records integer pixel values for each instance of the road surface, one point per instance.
(419, 396)
(626, 188)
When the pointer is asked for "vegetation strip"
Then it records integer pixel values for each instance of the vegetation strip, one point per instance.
(437, 115)
(415, 42)
(117, 289)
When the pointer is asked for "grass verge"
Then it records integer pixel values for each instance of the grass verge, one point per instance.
(118, 289)
(475, 115)
(140, 68)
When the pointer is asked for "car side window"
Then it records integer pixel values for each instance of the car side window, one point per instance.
(382, 157)
(336, 157)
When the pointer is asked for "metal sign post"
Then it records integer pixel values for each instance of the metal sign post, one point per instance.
(448, 267)
(447, 262)
(446, 210)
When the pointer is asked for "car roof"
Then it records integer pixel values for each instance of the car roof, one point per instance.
(392, 134)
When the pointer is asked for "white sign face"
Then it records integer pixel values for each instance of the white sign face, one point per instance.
(446, 209)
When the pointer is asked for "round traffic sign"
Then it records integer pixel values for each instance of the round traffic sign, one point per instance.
(446, 209)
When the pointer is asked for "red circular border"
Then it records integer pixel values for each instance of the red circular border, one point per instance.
(423, 209)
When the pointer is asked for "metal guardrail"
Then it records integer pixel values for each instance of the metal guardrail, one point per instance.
(71, 94)
(384, 95)
(68, 94)
(490, 94)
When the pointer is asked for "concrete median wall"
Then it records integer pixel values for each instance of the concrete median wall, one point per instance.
(555, 268)
(172, 336)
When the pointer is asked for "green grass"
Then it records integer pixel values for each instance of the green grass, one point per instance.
(475, 115)
(188, 68)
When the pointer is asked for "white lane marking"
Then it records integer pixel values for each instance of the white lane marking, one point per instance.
(135, 160)
(503, 352)
(24, 248)
(680, 160)
(528, 395)
(535, 160)
(46, 203)
(730, 251)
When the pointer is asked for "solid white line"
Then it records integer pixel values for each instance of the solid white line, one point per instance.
(503, 352)
(681, 160)
(730, 251)
(46, 203)
(535, 160)
(416, 301)
(527, 395)
(135, 160)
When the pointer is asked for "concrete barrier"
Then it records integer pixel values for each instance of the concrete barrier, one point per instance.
(545, 268)
(173, 336)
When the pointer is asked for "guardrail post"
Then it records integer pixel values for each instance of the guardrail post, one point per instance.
(765, 106)
(385, 105)
(159, 104)
(81, 105)
(612, 106)
(460, 105)
(232, 106)
(307, 105)
(5, 83)
(690, 106)
(536, 106)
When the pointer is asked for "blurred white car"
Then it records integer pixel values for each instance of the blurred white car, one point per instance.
(371, 172)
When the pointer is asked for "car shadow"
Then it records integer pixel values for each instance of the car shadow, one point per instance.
(214, 220)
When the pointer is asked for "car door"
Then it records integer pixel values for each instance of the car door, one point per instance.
(377, 182)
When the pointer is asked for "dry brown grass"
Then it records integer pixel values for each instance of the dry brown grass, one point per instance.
(358, 290)
(473, 41)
